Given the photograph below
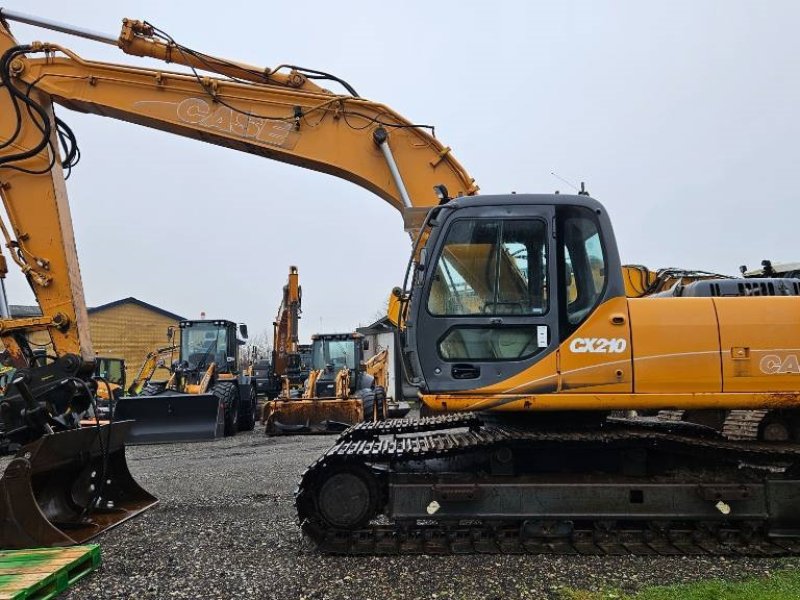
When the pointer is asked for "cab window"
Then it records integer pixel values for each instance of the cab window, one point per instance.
(584, 265)
(491, 267)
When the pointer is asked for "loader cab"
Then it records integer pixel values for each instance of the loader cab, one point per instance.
(110, 369)
(206, 342)
(332, 352)
(501, 282)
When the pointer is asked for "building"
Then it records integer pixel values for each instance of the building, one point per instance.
(382, 334)
(127, 329)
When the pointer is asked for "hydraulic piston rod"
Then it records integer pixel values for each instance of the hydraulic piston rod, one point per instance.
(382, 140)
(13, 15)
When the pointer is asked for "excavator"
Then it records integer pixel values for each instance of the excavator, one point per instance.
(514, 321)
(160, 358)
(286, 373)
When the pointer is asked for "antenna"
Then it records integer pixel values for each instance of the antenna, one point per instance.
(569, 183)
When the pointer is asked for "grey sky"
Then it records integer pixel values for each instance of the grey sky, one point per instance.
(680, 116)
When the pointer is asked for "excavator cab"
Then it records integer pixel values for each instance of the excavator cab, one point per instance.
(207, 395)
(500, 284)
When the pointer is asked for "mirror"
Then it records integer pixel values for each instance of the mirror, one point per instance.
(365, 345)
(170, 332)
(243, 330)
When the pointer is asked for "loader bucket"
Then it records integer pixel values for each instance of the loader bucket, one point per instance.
(67, 487)
(172, 417)
(326, 415)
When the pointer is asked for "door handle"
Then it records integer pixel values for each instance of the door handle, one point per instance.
(462, 371)
(617, 319)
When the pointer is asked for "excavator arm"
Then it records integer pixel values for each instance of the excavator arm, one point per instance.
(280, 116)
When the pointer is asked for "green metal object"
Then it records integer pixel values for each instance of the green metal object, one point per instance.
(42, 573)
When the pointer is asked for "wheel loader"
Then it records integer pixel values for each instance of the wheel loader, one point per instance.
(207, 395)
(338, 392)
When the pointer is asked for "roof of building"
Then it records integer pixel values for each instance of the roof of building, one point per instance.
(137, 302)
(22, 310)
(380, 326)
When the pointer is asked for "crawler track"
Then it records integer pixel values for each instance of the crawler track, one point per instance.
(400, 452)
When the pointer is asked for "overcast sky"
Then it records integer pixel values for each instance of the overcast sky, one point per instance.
(681, 117)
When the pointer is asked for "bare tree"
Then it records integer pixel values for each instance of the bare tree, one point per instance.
(259, 346)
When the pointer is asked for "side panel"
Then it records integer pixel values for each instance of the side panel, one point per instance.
(760, 340)
(675, 345)
(597, 357)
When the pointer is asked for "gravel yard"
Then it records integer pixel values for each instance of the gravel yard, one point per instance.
(225, 528)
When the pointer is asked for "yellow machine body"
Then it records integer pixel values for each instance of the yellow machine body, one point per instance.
(653, 353)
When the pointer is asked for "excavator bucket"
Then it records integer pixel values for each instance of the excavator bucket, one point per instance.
(171, 417)
(327, 415)
(67, 487)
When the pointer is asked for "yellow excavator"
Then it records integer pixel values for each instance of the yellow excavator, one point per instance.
(514, 322)
(286, 374)
(160, 358)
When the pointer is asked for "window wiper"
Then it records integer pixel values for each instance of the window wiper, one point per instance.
(202, 361)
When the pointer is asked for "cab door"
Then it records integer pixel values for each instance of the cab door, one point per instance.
(595, 353)
(487, 310)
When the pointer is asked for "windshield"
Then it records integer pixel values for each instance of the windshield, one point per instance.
(339, 353)
(109, 369)
(204, 343)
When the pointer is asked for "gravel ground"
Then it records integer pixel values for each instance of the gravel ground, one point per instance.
(225, 528)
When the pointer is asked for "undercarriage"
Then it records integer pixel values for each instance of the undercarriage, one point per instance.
(456, 484)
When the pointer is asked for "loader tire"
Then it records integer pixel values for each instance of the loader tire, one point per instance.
(247, 414)
(368, 403)
(227, 392)
(380, 401)
(153, 389)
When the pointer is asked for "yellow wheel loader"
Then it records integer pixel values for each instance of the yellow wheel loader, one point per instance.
(207, 396)
(338, 393)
